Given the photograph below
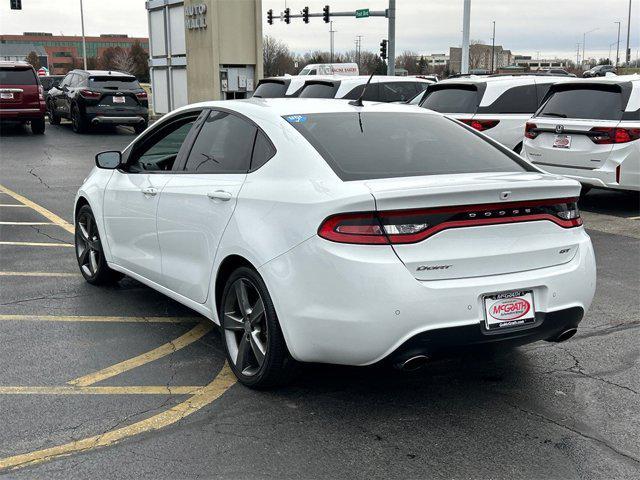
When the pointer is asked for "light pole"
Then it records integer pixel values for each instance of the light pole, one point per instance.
(493, 45)
(391, 46)
(618, 47)
(331, 32)
(584, 41)
(466, 23)
(84, 43)
(627, 53)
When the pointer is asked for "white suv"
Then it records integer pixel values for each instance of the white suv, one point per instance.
(498, 106)
(589, 130)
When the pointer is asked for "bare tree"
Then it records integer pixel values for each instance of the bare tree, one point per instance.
(33, 59)
(123, 61)
(276, 57)
(409, 61)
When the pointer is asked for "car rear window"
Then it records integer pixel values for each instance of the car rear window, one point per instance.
(271, 90)
(452, 100)
(17, 76)
(114, 83)
(318, 90)
(597, 102)
(361, 146)
(520, 99)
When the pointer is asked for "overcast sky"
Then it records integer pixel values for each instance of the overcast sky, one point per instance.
(550, 27)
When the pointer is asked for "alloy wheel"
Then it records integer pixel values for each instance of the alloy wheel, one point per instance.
(245, 327)
(88, 247)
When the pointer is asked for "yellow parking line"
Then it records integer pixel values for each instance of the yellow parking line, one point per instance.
(193, 335)
(14, 205)
(41, 210)
(633, 218)
(223, 381)
(38, 274)
(90, 319)
(37, 244)
(27, 223)
(73, 390)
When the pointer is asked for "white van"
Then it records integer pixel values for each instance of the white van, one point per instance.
(331, 69)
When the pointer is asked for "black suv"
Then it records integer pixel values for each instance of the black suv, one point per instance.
(599, 71)
(93, 97)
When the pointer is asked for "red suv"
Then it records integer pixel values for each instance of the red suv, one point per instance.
(21, 95)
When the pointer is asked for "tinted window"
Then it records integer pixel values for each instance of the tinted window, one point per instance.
(417, 99)
(371, 94)
(271, 90)
(318, 90)
(262, 151)
(452, 100)
(15, 76)
(159, 151)
(397, 91)
(522, 99)
(223, 145)
(592, 103)
(384, 145)
(114, 83)
(49, 82)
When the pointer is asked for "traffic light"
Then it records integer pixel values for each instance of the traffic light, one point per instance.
(325, 14)
(305, 14)
(270, 17)
(383, 49)
(287, 15)
(16, 4)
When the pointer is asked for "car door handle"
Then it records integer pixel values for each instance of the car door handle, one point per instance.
(150, 191)
(219, 195)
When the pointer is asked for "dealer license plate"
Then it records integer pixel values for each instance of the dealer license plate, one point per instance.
(562, 141)
(118, 99)
(509, 309)
(6, 96)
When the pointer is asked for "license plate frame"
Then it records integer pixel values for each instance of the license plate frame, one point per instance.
(562, 141)
(6, 96)
(512, 311)
(118, 99)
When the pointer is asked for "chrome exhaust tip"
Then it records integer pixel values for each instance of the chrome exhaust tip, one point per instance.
(413, 363)
(564, 335)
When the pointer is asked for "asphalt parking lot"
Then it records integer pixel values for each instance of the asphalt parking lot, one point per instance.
(123, 382)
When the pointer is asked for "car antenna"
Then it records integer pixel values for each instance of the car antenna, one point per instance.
(358, 102)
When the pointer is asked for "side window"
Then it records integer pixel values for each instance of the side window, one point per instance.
(542, 89)
(371, 94)
(224, 145)
(73, 81)
(522, 99)
(397, 91)
(262, 151)
(158, 152)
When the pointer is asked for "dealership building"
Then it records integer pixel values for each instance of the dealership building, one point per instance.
(203, 50)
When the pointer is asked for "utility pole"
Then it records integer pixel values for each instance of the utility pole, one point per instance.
(466, 24)
(618, 47)
(391, 52)
(628, 50)
(331, 32)
(358, 49)
(584, 41)
(84, 43)
(577, 55)
(493, 45)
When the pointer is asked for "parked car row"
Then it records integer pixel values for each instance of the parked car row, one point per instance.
(86, 97)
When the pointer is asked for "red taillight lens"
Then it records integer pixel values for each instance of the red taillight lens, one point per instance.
(610, 135)
(141, 95)
(411, 226)
(40, 92)
(89, 94)
(480, 125)
(530, 130)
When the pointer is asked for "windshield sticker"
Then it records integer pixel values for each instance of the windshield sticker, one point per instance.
(296, 118)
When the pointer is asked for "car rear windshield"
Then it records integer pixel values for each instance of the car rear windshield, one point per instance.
(17, 76)
(598, 103)
(271, 90)
(452, 100)
(361, 146)
(318, 90)
(114, 83)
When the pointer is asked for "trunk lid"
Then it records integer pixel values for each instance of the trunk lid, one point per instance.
(463, 250)
(19, 88)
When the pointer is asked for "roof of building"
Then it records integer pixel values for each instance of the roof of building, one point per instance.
(21, 49)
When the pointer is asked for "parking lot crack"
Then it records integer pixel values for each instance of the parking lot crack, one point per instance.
(31, 172)
(51, 237)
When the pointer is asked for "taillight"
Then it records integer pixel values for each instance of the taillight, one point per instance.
(141, 95)
(89, 94)
(480, 125)
(40, 93)
(411, 226)
(530, 130)
(611, 135)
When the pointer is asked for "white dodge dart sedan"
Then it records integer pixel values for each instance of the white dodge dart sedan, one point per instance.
(327, 231)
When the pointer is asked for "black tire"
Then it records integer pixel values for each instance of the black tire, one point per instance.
(54, 118)
(277, 367)
(140, 127)
(78, 123)
(89, 253)
(37, 126)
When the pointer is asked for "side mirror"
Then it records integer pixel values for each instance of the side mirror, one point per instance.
(108, 160)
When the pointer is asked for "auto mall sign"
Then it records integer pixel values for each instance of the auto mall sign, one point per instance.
(195, 16)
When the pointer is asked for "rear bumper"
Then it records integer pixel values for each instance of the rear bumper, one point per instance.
(355, 305)
(20, 114)
(108, 120)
